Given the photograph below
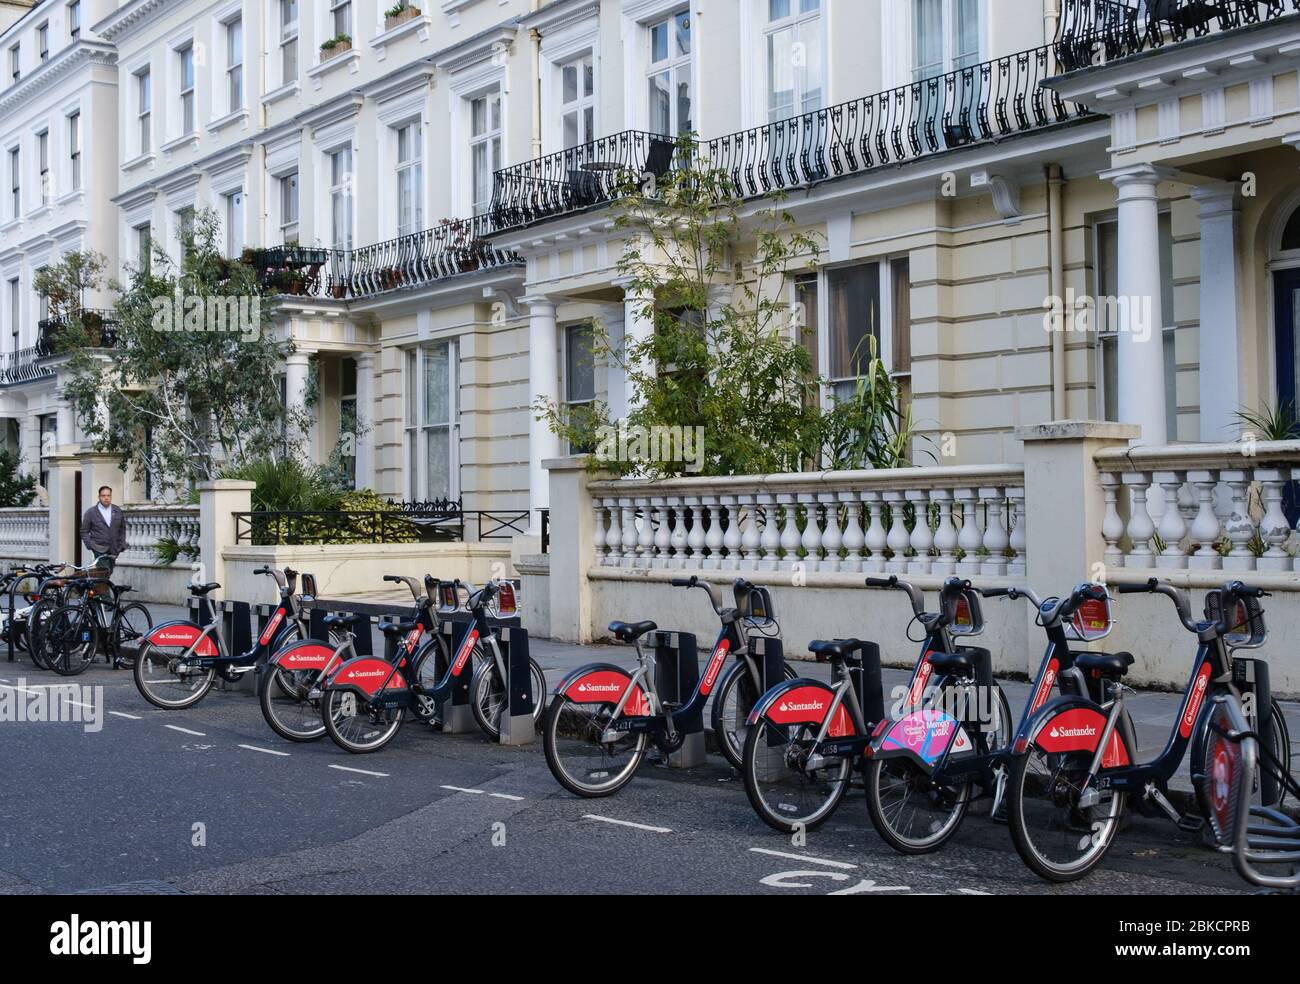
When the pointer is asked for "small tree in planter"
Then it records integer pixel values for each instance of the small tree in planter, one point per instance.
(400, 14)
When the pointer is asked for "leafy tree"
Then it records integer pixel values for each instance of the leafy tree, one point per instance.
(728, 353)
(16, 489)
(191, 387)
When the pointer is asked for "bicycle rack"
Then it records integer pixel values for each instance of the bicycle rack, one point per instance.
(517, 726)
(677, 670)
(1251, 676)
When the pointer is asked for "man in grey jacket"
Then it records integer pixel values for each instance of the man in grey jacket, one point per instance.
(103, 530)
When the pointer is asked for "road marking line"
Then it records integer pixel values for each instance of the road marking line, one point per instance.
(462, 789)
(843, 865)
(627, 823)
(972, 891)
(24, 690)
(185, 731)
(364, 772)
(507, 796)
(264, 751)
(123, 714)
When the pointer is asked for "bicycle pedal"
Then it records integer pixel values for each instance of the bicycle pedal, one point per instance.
(1190, 824)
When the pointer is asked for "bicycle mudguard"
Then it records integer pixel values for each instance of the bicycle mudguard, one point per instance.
(802, 701)
(602, 683)
(1074, 724)
(183, 634)
(365, 675)
(309, 654)
(926, 736)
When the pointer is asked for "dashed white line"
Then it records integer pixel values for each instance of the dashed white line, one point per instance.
(364, 772)
(185, 731)
(507, 796)
(123, 714)
(842, 865)
(627, 823)
(462, 789)
(265, 751)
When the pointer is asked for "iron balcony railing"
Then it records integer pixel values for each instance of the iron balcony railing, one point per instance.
(452, 247)
(22, 366)
(579, 178)
(1093, 31)
(90, 327)
(984, 102)
(988, 101)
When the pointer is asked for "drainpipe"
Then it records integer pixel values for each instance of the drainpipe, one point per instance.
(1056, 286)
(535, 38)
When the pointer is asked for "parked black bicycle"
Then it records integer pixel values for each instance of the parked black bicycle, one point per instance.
(92, 620)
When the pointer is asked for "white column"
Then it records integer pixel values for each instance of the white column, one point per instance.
(543, 384)
(296, 367)
(1140, 346)
(366, 433)
(638, 327)
(1220, 333)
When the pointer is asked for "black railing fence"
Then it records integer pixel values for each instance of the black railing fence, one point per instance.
(1092, 31)
(22, 366)
(96, 328)
(405, 523)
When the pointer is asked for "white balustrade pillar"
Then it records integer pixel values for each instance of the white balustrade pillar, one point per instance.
(1172, 525)
(1239, 527)
(922, 537)
(1206, 528)
(1273, 528)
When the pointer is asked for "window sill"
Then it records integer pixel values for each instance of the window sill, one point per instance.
(42, 212)
(238, 116)
(71, 197)
(13, 225)
(351, 59)
(137, 162)
(422, 26)
(284, 92)
(192, 139)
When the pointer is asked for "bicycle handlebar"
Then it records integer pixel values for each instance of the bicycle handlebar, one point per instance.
(411, 584)
(695, 582)
(1177, 595)
(1014, 592)
(913, 592)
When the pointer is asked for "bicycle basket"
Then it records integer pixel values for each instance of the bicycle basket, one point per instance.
(1246, 627)
(1091, 621)
(755, 605)
(967, 617)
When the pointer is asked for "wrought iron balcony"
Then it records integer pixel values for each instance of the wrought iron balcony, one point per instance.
(1091, 31)
(88, 328)
(22, 366)
(989, 101)
(453, 246)
(984, 102)
(577, 179)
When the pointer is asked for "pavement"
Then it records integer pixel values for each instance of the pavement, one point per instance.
(209, 800)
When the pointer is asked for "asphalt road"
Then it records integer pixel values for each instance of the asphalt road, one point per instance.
(209, 800)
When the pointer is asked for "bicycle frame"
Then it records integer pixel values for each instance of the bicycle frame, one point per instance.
(207, 647)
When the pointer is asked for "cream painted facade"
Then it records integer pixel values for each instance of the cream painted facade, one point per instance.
(407, 127)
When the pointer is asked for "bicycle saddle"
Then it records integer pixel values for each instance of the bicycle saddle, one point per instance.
(962, 664)
(202, 589)
(825, 649)
(1107, 664)
(628, 631)
(343, 619)
(124, 588)
(398, 628)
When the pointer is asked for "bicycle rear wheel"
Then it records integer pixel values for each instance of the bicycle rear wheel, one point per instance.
(131, 626)
(357, 727)
(163, 682)
(736, 697)
(489, 700)
(784, 793)
(1059, 840)
(69, 640)
(581, 761)
(912, 813)
(30, 638)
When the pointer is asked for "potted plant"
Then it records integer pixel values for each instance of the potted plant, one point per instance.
(339, 290)
(400, 14)
(335, 46)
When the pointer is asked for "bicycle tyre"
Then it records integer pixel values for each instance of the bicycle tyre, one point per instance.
(737, 681)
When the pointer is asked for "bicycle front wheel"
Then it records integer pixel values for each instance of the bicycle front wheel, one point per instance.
(912, 813)
(736, 697)
(287, 704)
(355, 726)
(30, 638)
(784, 792)
(163, 682)
(1057, 838)
(69, 640)
(583, 757)
(490, 702)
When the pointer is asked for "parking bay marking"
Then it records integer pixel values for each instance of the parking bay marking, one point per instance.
(842, 865)
(185, 731)
(627, 823)
(364, 772)
(265, 751)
